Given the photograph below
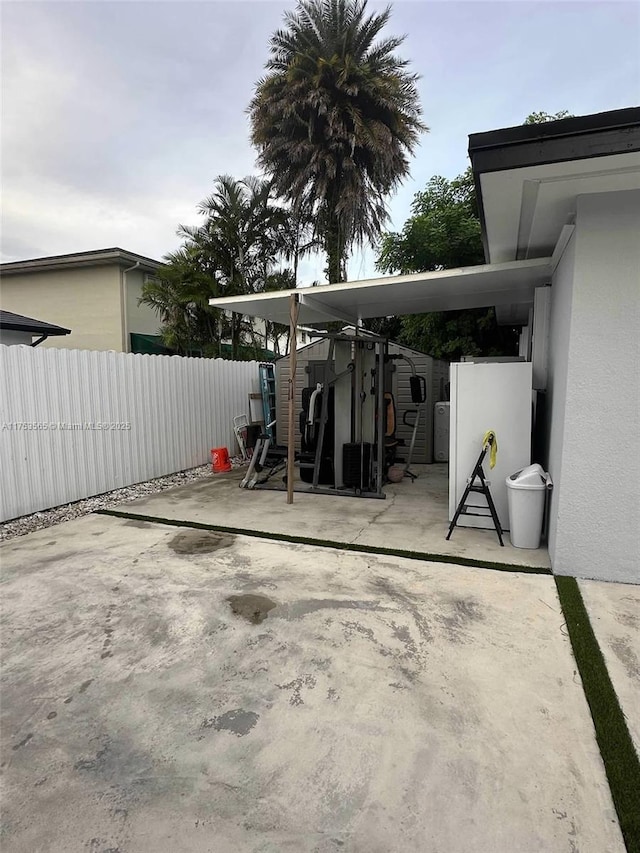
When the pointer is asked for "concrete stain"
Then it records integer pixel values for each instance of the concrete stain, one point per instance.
(629, 620)
(135, 523)
(84, 685)
(251, 606)
(199, 542)
(239, 722)
(458, 615)
(402, 633)
(23, 742)
(351, 628)
(408, 674)
(97, 845)
(158, 629)
(90, 763)
(55, 558)
(626, 656)
(408, 603)
(467, 610)
(259, 638)
(296, 685)
(298, 609)
(108, 631)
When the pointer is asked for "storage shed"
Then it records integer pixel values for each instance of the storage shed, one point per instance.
(310, 364)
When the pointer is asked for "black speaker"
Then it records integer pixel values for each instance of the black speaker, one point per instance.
(356, 465)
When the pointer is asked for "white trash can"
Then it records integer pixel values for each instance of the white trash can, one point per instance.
(526, 495)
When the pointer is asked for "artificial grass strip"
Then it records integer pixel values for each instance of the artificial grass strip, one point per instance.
(329, 543)
(616, 746)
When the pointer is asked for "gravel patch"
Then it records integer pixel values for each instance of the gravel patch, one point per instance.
(48, 517)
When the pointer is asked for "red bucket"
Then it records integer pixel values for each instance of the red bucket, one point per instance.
(220, 460)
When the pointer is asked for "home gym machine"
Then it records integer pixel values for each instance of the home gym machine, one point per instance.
(347, 421)
(342, 448)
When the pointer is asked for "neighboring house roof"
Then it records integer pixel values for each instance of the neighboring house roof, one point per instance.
(19, 323)
(98, 257)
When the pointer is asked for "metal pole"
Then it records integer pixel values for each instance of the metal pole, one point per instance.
(294, 308)
(382, 417)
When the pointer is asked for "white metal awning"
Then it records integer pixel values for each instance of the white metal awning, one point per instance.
(482, 286)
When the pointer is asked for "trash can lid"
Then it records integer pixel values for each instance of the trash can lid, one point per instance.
(531, 477)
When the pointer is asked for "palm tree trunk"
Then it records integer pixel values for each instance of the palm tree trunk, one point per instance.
(335, 247)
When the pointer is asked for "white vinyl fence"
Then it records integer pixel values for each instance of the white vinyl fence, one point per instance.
(76, 423)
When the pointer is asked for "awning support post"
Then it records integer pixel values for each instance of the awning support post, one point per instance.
(294, 307)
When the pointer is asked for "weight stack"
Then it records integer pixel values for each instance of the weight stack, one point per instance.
(356, 465)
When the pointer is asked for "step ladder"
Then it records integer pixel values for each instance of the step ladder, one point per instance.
(481, 488)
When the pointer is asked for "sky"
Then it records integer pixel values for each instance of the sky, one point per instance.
(118, 116)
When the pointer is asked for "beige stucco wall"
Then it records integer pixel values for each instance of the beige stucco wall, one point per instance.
(85, 300)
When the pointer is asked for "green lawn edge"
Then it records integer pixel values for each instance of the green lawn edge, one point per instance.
(329, 543)
(620, 759)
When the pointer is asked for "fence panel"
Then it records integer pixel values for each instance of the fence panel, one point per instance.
(77, 423)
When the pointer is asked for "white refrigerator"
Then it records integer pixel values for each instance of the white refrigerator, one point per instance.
(484, 396)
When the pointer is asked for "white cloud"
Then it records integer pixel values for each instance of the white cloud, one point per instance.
(117, 117)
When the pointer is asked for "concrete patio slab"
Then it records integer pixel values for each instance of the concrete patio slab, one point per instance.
(614, 612)
(413, 517)
(179, 690)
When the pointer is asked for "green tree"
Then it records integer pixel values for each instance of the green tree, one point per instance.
(443, 232)
(543, 117)
(334, 120)
(242, 229)
(179, 294)
(232, 253)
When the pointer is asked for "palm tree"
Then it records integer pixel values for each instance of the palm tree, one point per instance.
(179, 293)
(242, 234)
(334, 120)
(235, 250)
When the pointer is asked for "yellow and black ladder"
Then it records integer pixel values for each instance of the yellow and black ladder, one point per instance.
(489, 443)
